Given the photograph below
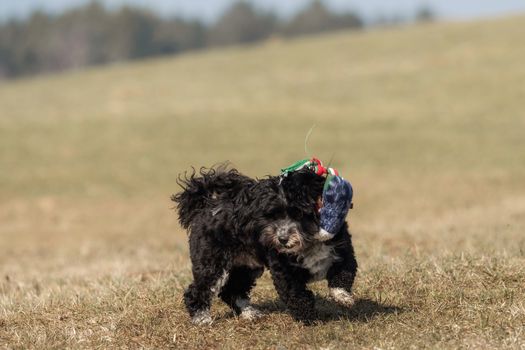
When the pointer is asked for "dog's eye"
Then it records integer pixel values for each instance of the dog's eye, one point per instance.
(276, 214)
(295, 213)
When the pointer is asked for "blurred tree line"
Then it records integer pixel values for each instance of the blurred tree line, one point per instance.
(92, 34)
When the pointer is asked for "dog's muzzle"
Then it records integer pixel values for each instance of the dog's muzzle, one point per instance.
(284, 233)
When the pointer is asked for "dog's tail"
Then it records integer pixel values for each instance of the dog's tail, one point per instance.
(200, 190)
(194, 195)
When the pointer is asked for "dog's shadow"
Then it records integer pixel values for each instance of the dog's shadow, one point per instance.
(328, 310)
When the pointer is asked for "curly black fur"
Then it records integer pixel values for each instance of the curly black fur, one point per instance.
(238, 225)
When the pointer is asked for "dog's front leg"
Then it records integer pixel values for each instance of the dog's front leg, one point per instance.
(341, 274)
(290, 283)
(340, 281)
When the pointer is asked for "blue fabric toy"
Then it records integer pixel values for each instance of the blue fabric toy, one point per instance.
(336, 199)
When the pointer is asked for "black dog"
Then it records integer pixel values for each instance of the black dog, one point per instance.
(238, 225)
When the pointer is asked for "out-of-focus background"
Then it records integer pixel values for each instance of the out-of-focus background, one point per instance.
(42, 36)
(418, 103)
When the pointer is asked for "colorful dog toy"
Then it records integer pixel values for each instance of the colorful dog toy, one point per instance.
(336, 199)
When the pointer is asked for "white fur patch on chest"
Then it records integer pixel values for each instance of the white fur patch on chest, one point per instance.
(318, 260)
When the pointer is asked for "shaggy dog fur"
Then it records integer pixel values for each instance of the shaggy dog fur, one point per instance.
(238, 225)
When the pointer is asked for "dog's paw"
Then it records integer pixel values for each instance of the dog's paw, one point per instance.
(342, 297)
(250, 313)
(247, 311)
(201, 318)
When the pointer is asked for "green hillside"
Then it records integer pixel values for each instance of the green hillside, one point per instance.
(427, 122)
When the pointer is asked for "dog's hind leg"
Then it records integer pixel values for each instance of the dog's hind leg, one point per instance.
(198, 296)
(210, 273)
(236, 292)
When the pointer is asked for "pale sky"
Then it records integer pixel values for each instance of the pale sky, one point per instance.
(210, 9)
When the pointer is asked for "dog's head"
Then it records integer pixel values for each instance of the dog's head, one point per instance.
(291, 216)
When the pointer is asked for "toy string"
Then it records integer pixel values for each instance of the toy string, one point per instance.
(306, 141)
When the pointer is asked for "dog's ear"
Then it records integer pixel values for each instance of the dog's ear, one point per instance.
(304, 186)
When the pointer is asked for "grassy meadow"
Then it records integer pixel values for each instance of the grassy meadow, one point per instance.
(427, 122)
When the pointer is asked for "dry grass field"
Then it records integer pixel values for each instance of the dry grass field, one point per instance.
(427, 122)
